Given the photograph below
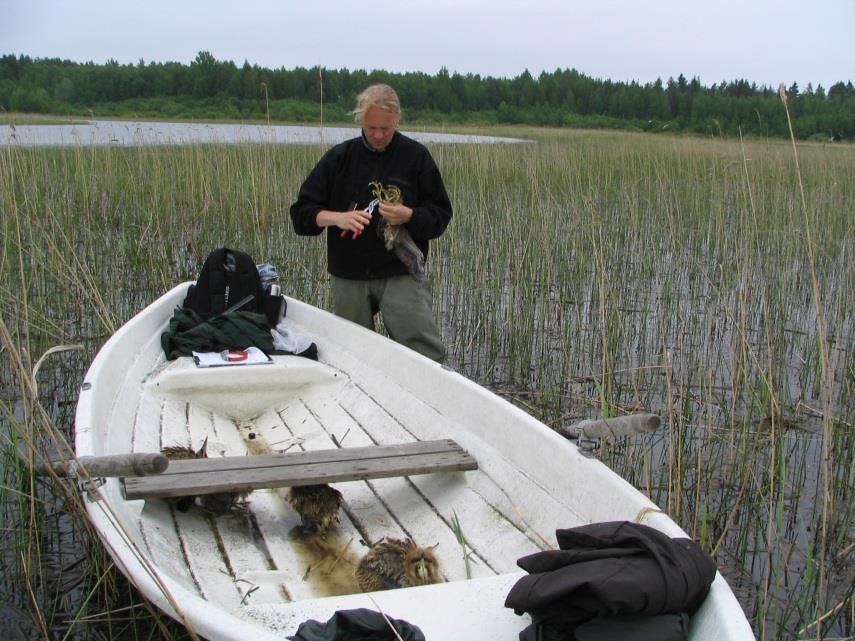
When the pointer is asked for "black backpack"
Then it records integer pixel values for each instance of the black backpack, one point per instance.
(229, 282)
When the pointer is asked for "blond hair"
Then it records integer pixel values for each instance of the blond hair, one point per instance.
(380, 96)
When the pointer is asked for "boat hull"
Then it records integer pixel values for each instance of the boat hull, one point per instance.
(255, 573)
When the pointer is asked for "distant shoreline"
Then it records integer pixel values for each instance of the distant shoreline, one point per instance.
(133, 133)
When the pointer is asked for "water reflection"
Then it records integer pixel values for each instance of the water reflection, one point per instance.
(124, 133)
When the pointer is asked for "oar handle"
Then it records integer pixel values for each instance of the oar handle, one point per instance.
(139, 464)
(612, 427)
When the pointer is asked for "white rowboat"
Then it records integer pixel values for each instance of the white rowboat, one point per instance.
(248, 575)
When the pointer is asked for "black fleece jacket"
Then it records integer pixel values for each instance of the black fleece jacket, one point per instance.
(605, 570)
(340, 182)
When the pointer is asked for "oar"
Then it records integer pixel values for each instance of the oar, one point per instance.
(597, 428)
(138, 464)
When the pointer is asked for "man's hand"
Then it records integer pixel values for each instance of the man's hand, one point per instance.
(355, 220)
(395, 214)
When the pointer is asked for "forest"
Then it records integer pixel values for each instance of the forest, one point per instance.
(214, 89)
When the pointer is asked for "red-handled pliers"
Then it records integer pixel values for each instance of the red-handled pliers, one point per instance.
(369, 210)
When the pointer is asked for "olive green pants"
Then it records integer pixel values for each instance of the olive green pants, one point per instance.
(404, 303)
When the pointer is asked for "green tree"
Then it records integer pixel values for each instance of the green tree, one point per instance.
(64, 91)
(30, 100)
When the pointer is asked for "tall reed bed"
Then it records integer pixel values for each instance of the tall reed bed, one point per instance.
(587, 274)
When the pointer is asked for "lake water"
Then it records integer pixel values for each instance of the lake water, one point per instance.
(125, 133)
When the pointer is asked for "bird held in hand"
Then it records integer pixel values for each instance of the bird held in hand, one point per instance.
(397, 238)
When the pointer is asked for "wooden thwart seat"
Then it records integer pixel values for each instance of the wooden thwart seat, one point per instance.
(289, 469)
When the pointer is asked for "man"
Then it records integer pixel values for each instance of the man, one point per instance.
(365, 277)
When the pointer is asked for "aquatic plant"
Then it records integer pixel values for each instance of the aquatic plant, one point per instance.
(591, 273)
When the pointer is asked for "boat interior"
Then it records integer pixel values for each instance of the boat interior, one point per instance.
(257, 551)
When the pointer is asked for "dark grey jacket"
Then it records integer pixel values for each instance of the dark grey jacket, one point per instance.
(357, 625)
(608, 569)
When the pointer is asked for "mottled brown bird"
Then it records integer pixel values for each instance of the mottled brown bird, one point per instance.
(397, 238)
(397, 563)
(219, 503)
(317, 505)
(182, 453)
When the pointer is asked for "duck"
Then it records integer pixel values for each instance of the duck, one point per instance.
(396, 238)
(397, 563)
(317, 505)
(219, 503)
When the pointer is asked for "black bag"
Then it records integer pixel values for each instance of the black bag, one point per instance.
(229, 282)
(358, 625)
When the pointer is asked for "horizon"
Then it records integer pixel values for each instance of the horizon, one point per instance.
(688, 78)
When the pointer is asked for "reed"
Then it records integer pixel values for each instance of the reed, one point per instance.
(588, 274)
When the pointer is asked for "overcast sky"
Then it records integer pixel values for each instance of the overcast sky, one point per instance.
(763, 41)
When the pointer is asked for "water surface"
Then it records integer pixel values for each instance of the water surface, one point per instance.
(128, 133)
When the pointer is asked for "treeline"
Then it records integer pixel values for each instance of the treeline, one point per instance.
(212, 89)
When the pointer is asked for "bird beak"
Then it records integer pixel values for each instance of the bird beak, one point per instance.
(422, 569)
